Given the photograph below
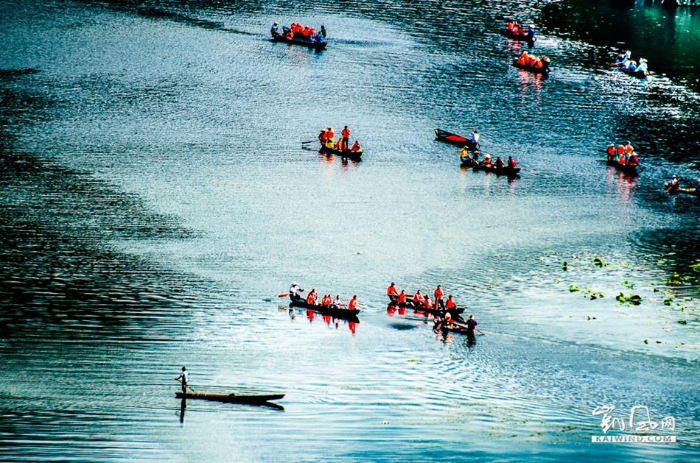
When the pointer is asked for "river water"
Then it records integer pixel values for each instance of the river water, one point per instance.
(157, 197)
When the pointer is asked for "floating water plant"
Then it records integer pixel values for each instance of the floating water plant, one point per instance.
(573, 288)
(632, 299)
(599, 262)
(627, 284)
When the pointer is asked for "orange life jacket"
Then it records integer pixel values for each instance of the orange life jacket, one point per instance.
(611, 151)
(622, 160)
(353, 304)
(346, 133)
(438, 294)
(402, 298)
(628, 149)
(620, 150)
(391, 291)
(450, 304)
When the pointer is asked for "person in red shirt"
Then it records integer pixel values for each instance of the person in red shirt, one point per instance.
(402, 298)
(418, 300)
(427, 303)
(392, 292)
(346, 138)
(438, 296)
(311, 298)
(450, 304)
(352, 305)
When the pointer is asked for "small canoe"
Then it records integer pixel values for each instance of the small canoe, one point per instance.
(318, 46)
(677, 189)
(455, 329)
(350, 154)
(333, 311)
(543, 70)
(454, 139)
(626, 169)
(530, 39)
(231, 398)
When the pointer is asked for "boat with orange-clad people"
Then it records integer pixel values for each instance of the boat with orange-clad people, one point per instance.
(340, 146)
(515, 31)
(325, 305)
(532, 63)
(422, 303)
(300, 35)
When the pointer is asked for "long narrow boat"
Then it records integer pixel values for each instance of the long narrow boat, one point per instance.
(333, 311)
(626, 169)
(318, 46)
(629, 72)
(350, 154)
(231, 398)
(543, 70)
(454, 139)
(455, 313)
(511, 172)
(677, 189)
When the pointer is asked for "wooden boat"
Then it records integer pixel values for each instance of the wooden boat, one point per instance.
(350, 154)
(543, 70)
(409, 304)
(524, 35)
(454, 139)
(231, 398)
(629, 72)
(508, 171)
(626, 169)
(333, 311)
(454, 328)
(677, 189)
(318, 46)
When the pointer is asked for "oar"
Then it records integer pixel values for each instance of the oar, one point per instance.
(305, 142)
(283, 295)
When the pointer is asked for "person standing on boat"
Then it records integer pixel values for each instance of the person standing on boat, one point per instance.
(439, 294)
(352, 305)
(464, 153)
(323, 32)
(184, 379)
(471, 326)
(475, 138)
(294, 291)
(392, 292)
(330, 137)
(346, 138)
(531, 31)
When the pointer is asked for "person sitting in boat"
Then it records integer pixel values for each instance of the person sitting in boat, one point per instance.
(642, 66)
(611, 152)
(338, 146)
(356, 146)
(475, 156)
(312, 297)
(401, 300)
(673, 186)
(274, 30)
(450, 304)
(294, 291)
(427, 303)
(338, 303)
(352, 305)
(524, 59)
(511, 162)
(628, 148)
(418, 300)
(487, 161)
(475, 138)
(620, 152)
(499, 163)
(464, 153)
(633, 160)
(392, 292)
(624, 59)
(622, 160)
(326, 300)
(330, 137)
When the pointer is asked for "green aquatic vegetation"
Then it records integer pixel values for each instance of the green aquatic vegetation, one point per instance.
(573, 288)
(668, 300)
(683, 322)
(628, 284)
(598, 262)
(557, 281)
(564, 266)
(632, 299)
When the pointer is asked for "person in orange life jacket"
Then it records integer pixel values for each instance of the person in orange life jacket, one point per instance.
(402, 297)
(487, 160)
(339, 144)
(346, 137)
(352, 305)
(356, 146)
(464, 153)
(450, 304)
(323, 136)
(623, 159)
(628, 149)
(417, 300)
(438, 294)
(330, 137)
(306, 33)
(620, 152)
(511, 162)
(499, 163)
(326, 300)
(611, 152)
(427, 303)
(392, 292)
(633, 160)
(523, 59)
(311, 298)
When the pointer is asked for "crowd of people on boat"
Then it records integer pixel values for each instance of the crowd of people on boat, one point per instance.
(327, 139)
(298, 31)
(516, 29)
(529, 61)
(625, 62)
(622, 154)
(472, 158)
(327, 301)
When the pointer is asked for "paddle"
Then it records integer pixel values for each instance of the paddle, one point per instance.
(283, 295)
(305, 142)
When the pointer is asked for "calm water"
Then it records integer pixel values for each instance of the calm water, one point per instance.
(156, 198)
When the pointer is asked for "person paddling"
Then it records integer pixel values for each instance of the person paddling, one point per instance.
(471, 326)
(392, 292)
(184, 379)
(352, 305)
(294, 291)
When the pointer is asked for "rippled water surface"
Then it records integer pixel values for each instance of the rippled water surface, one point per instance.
(157, 198)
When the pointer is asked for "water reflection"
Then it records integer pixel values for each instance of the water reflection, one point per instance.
(330, 321)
